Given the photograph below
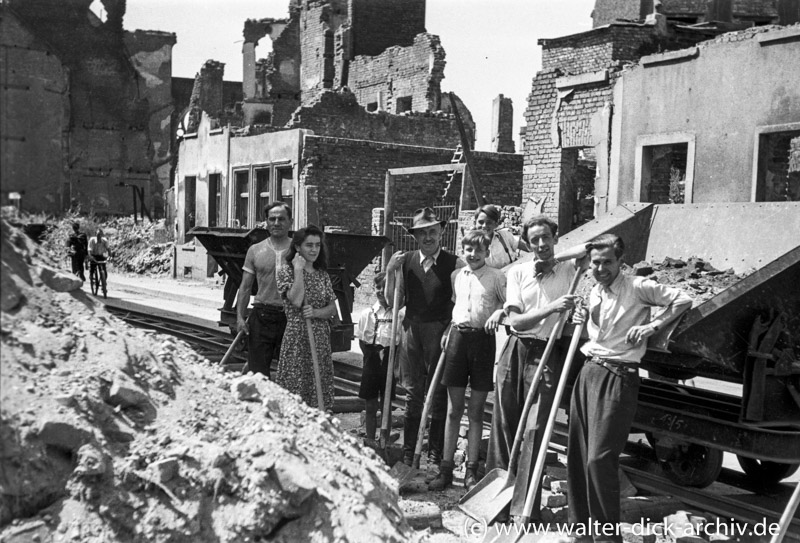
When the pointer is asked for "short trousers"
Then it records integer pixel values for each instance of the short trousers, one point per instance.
(469, 359)
(373, 374)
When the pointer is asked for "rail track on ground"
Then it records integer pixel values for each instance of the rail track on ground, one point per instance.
(733, 496)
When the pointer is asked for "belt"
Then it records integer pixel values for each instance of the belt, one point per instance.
(516, 334)
(615, 365)
(259, 305)
(464, 329)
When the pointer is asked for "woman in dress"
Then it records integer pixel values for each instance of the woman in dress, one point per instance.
(307, 293)
(504, 246)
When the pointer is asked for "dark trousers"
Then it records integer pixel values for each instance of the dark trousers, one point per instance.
(601, 413)
(423, 347)
(77, 265)
(515, 370)
(266, 325)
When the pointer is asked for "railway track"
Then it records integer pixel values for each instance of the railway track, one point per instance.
(747, 502)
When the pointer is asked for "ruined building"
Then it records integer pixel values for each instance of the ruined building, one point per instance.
(351, 89)
(645, 111)
(84, 106)
(692, 12)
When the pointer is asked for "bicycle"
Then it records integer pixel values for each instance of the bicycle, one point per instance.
(98, 275)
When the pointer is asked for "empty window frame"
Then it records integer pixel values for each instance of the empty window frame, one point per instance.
(403, 104)
(285, 177)
(242, 196)
(776, 167)
(189, 202)
(263, 190)
(664, 168)
(214, 199)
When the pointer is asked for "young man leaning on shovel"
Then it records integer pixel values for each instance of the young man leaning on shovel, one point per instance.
(536, 298)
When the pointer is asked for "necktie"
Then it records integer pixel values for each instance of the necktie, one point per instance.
(427, 263)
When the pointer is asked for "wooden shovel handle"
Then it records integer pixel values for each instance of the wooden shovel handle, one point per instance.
(387, 392)
(315, 359)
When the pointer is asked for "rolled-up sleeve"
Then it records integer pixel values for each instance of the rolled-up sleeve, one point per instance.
(513, 290)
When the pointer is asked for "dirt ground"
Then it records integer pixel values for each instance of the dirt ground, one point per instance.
(116, 434)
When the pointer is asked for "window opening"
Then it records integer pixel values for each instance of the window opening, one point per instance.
(262, 192)
(403, 104)
(242, 186)
(214, 199)
(190, 202)
(664, 173)
(779, 167)
(286, 180)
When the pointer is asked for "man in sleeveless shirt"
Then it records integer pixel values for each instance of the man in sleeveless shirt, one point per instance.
(427, 294)
(267, 321)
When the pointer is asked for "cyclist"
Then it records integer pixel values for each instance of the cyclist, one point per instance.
(98, 255)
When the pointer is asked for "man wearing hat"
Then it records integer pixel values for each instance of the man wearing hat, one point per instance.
(427, 294)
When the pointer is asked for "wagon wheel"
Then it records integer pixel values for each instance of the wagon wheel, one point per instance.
(764, 471)
(694, 465)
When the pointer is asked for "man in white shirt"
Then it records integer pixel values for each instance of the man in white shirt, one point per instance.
(606, 392)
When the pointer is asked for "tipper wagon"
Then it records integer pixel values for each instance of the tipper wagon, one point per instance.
(742, 345)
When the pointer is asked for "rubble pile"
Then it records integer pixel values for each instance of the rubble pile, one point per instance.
(117, 434)
(511, 219)
(695, 276)
(132, 243)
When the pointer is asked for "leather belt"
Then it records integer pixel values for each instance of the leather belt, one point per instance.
(615, 365)
(463, 328)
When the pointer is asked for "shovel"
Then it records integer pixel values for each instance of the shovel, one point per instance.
(315, 359)
(400, 471)
(538, 470)
(387, 393)
(494, 492)
(229, 352)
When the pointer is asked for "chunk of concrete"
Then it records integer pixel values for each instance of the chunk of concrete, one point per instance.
(559, 487)
(421, 515)
(126, 393)
(164, 470)
(64, 433)
(553, 500)
(250, 387)
(59, 281)
(292, 476)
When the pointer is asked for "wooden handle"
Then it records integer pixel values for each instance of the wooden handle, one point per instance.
(437, 376)
(551, 342)
(315, 359)
(387, 392)
(229, 352)
(538, 470)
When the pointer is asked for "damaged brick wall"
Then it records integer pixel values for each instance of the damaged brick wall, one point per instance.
(108, 143)
(380, 24)
(548, 166)
(696, 11)
(351, 175)
(405, 78)
(319, 21)
(338, 114)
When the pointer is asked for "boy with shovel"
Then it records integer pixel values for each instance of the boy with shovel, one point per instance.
(374, 333)
(479, 292)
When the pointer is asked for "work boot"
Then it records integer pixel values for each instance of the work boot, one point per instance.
(445, 477)
(471, 475)
(436, 441)
(410, 431)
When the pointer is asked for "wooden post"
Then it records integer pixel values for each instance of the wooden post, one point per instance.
(464, 200)
(477, 187)
(388, 217)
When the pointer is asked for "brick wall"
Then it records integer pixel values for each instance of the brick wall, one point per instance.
(351, 176)
(550, 171)
(502, 125)
(401, 72)
(380, 24)
(338, 114)
(317, 18)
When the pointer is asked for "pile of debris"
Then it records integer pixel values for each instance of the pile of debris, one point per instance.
(117, 434)
(695, 276)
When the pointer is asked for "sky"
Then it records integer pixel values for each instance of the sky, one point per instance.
(491, 45)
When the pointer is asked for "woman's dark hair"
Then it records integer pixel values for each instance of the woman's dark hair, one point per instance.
(321, 263)
(491, 211)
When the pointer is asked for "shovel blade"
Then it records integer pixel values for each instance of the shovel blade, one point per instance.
(489, 497)
(403, 475)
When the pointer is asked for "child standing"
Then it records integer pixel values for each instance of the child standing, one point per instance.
(374, 333)
(479, 292)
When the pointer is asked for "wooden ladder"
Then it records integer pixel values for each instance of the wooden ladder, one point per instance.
(458, 158)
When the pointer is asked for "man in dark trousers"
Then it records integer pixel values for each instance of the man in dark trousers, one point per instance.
(267, 321)
(605, 394)
(78, 245)
(536, 296)
(427, 293)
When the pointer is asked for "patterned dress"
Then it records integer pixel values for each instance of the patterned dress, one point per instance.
(295, 366)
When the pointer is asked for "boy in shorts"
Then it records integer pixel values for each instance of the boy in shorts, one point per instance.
(374, 331)
(479, 292)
